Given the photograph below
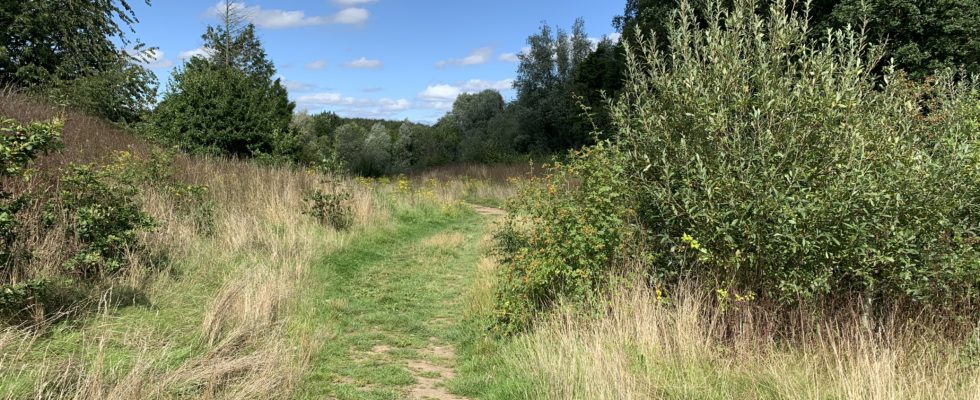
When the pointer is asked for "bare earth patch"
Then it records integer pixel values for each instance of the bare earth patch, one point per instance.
(488, 211)
(431, 376)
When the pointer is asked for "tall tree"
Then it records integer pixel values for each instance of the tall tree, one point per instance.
(48, 44)
(546, 105)
(922, 36)
(227, 102)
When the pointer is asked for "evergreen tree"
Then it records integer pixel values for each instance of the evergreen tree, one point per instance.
(228, 101)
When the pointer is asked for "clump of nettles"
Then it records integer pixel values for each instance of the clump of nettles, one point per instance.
(330, 205)
(800, 172)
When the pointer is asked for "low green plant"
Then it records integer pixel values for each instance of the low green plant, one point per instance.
(104, 216)
(20, 145)
(155, 170)
(331, 206)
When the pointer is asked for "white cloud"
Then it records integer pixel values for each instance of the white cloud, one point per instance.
(351, 16)
(442, 96)
(476, 57)
(364, 63)
(479, 85)
(281, 19)
(198, 52)
(295, 86)
(348, 3)
(316, 65)
(440, 93)
(509, 57)
(353, 106)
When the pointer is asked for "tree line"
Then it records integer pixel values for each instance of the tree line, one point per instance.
(229, 101)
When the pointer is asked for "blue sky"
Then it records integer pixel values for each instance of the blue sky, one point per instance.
(392, 59)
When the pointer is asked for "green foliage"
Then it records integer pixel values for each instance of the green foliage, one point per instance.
(19, 146)
(104, 217)
(315, 136)
(122, 93)
(227, 103)
(485, 130)
(349, 142)
(759, 160)
(922, 36)
(436, 145)
(76, 53)
(797, 176)
(376, 152)
(565, 231)
(331, 207)
(546, 108)
(599, 77)
(155, 170)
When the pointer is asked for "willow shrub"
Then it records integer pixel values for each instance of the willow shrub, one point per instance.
(761, 161)
(797, 171)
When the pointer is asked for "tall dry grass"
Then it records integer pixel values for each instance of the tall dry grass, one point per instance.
(199, 315)
(238, 284)
(643, 346)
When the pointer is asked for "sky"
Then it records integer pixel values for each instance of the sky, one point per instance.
(390, 59)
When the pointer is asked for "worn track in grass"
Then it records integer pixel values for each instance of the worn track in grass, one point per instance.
(387, 310)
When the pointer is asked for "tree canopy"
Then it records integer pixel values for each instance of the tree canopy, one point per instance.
(77, 51)
(228, 102)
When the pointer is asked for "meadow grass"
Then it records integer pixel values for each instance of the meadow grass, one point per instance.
(639, 344)
(234, 314)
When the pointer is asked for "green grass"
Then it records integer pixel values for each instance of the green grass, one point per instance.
(388, 289)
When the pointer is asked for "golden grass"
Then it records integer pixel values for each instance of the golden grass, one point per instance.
(220, 305)
(643, 348)
(258, 254)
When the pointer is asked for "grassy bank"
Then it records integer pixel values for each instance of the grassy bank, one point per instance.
(251, 309)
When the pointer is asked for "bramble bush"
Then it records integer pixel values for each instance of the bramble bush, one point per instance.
(19, 146)
(566, 232)
(94, 218)
(104, 217)
(798, 173)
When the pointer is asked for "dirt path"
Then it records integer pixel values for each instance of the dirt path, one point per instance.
(391, 304)
(488, 211)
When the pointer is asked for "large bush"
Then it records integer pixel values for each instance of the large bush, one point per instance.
(568, 229)
(228, 102)
(217, 109)
(760, 161)
(78, 54)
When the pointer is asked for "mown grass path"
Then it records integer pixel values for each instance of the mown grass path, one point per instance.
(387, 307)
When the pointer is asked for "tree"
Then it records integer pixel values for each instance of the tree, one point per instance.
(228, 102)
(546, 105)
(922, 36)
(472, 114)
(50, 46)
(437, 145)
(377, 151)
(349, 143)
(598, 78)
